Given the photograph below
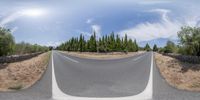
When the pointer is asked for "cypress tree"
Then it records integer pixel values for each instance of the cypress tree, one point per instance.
(125, 43)
(155, 48)
(107, 43)
(147, 47)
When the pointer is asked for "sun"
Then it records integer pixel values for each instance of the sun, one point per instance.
(33, 12)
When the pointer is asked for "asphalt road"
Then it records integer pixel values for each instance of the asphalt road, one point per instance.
(102, 78)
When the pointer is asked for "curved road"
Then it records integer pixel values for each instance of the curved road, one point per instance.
(102, 78)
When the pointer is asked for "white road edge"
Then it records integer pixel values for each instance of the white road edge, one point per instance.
(147, 94)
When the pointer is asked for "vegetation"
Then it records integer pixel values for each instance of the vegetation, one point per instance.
(23, 48)
(155, 48)
(16, 87)
(6, 42)
(9, 47)
(147, 47)
(170, 47)
(107, 43)
(189, 38)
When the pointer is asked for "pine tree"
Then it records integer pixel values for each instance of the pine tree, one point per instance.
(155, 48)
(118, 43)
(93, 43)
(136, 46)
(130, 45)
(84, 44)
(112, 41)
(107, 43)
(147, 47)
(81, 43)
(125, 43)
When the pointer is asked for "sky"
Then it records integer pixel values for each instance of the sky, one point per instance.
(52, 22)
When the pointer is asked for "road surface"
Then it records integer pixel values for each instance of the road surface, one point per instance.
(102, 78)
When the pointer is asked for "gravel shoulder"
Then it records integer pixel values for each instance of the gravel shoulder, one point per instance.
(92, 55)
(23, 74)
(182, 75)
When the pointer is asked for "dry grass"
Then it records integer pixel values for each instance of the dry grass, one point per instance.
(185, 76)
(92, 55)
(23, 74)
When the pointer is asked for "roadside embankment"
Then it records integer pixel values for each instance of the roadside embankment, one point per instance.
(16, 58)
(23, 74)
(179, 74)
(94, 55)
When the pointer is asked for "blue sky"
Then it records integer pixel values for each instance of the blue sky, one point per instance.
(147, 21)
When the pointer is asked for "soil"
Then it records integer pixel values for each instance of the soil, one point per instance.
(182, 75)
(93, 55)
(23, 74)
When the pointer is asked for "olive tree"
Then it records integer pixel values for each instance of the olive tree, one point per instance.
(190, 40)
(7, 42)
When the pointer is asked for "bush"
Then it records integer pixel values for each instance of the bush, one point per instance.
(8, 46)
(190, 40)
(170, 47)
(23, 48)
(6, 42)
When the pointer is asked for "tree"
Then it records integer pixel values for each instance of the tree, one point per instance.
(125, 43)
(112, 42)
(190, 40)
(107, 43)
(136, 45)
(81, 43)
(118, 43)
(7, 42)
(101, 45)
(51, 48)
(93, 43)
(132, 46)
(155, 48)
(23, 48)
(147, 47)
(170, 47)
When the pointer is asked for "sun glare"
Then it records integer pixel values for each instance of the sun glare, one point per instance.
(33, 12)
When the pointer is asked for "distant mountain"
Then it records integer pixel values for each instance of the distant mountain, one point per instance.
(160, 42)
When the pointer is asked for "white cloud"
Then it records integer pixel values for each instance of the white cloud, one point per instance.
(96, 28)
(55, 44)
(162, 12)
(87, 34)
(10, 18)
(193, 21)
(89, 21)
(14, 16)
(165, 28)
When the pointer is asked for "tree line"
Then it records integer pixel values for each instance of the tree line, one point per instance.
(189, 42)
(107, 43)
(9, 47)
